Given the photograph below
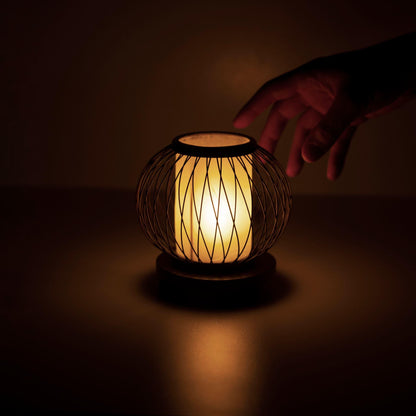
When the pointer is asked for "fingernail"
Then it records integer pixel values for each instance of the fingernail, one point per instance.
(311, 153)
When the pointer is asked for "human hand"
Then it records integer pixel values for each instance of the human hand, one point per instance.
(334, 95)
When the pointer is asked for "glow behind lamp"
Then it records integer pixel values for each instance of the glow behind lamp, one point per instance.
(214, 203)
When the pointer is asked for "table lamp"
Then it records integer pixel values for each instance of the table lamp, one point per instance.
(214, 203)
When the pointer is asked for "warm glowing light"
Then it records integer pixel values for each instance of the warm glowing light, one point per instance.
(213, 208)
(213, 366)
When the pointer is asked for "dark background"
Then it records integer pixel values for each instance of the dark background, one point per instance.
(95, 88)
(92, 90)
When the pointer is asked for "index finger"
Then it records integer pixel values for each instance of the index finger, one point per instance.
(278, 88)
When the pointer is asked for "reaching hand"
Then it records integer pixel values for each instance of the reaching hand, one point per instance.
(334, 95)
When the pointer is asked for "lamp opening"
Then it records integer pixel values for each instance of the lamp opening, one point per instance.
(213, 139)
(214, 144)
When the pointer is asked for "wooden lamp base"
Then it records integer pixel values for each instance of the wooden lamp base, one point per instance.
(168, 266)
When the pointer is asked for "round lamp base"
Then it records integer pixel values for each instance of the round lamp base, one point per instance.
(168, 266)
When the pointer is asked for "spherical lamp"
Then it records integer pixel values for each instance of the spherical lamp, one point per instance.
(214, 203)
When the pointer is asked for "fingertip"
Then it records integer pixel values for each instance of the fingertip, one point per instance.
(293, 171)
(267, 144)
(333, 174)
(311, 153)
(245, 117)
(306, 158)
(240, 123)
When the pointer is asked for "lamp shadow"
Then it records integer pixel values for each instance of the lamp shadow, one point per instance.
(205, 295)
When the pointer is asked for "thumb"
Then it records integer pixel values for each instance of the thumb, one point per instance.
(321, 138)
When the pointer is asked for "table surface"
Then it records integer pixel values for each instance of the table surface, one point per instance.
(87, 327)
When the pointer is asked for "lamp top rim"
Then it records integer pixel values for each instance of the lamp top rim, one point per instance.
(214, 144)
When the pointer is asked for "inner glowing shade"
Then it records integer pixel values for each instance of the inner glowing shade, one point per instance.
(213, 206)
